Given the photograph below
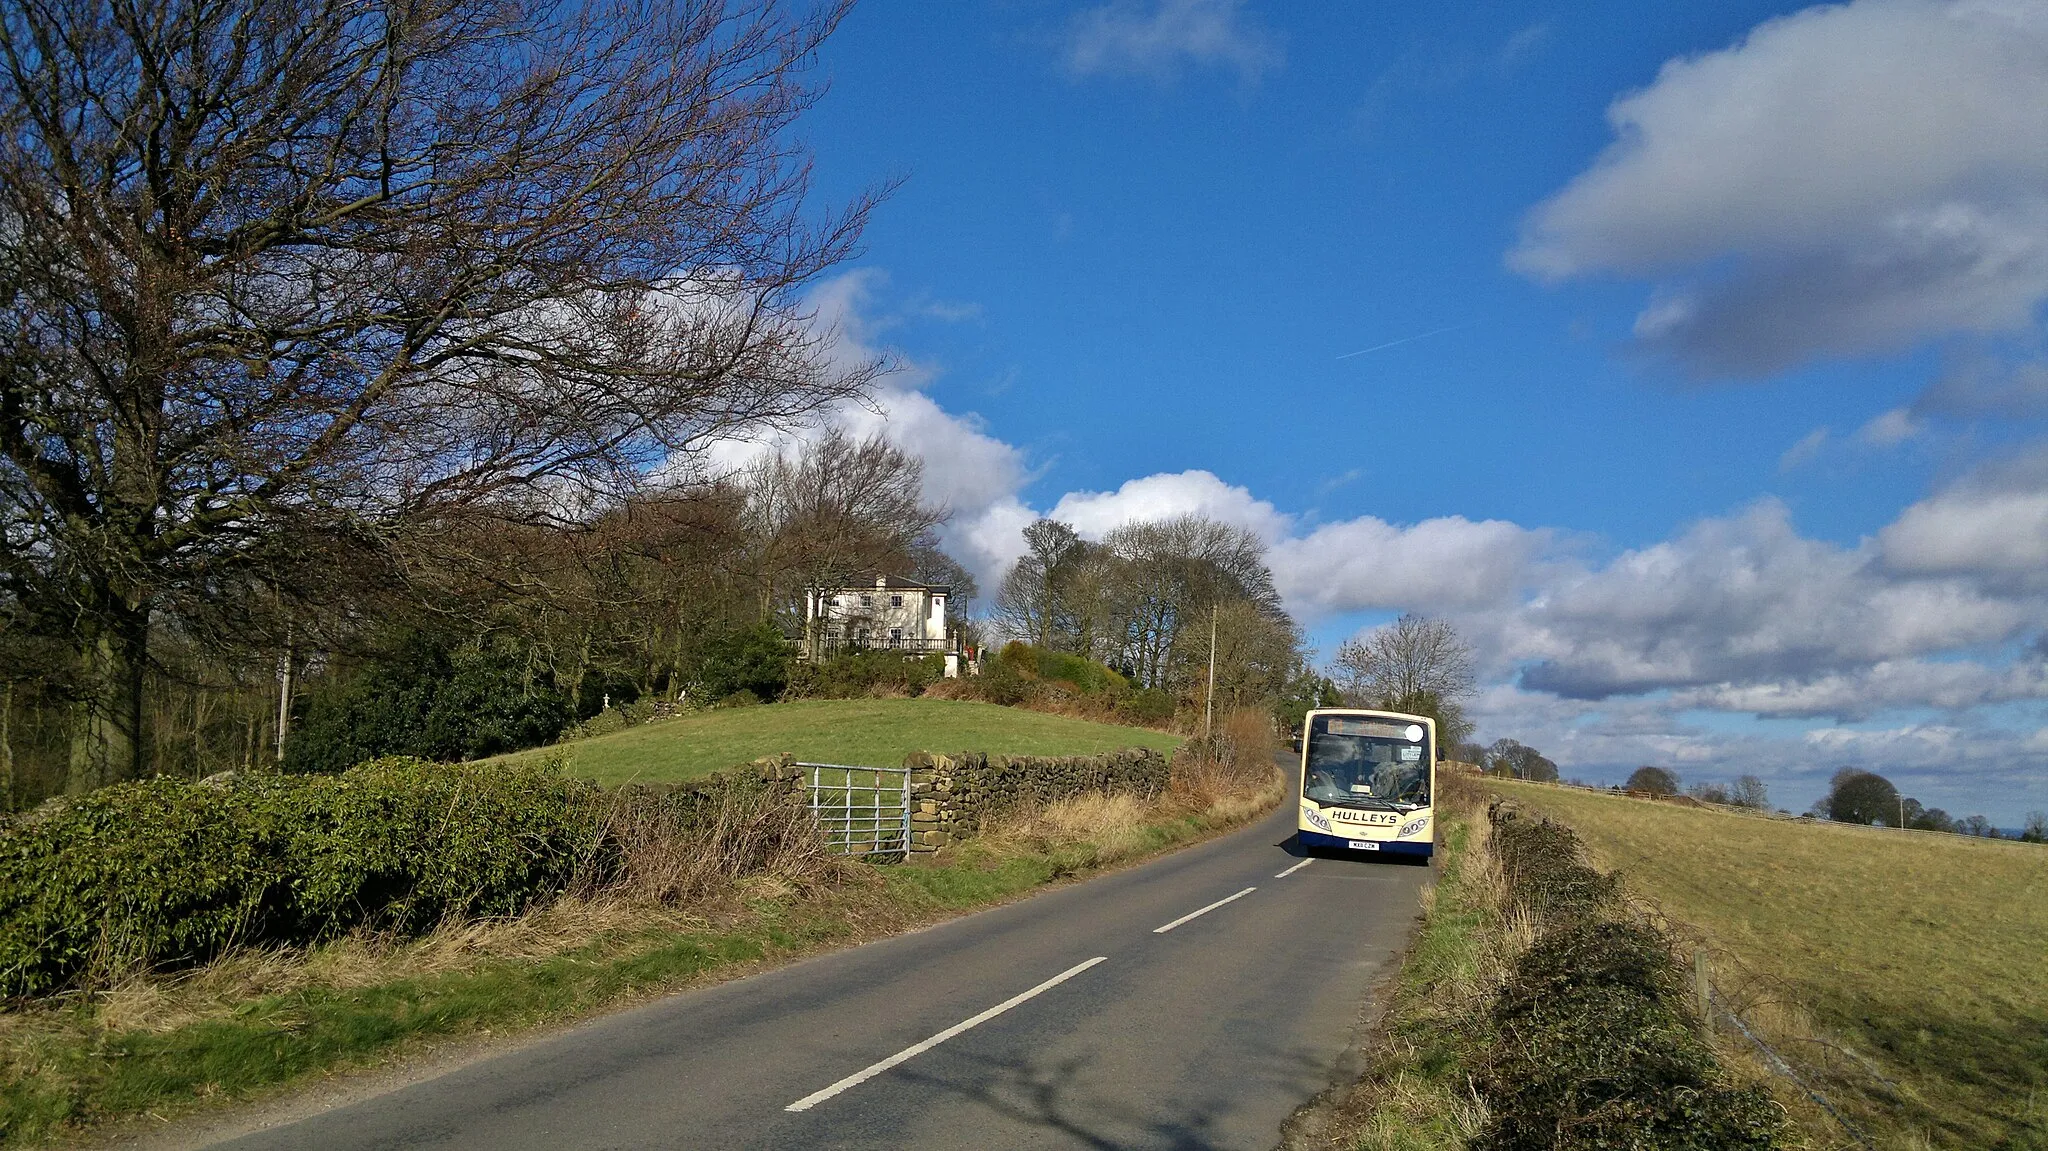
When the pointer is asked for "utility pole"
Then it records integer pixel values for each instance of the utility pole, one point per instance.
(1902, 810)
(1209, 700)
(284, 693)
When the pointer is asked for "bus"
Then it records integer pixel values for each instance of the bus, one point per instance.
(1367, 780)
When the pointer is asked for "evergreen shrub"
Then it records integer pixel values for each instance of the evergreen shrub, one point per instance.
(163, 873)
(426, 700)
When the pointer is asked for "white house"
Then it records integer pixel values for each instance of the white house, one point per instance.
(889, 614)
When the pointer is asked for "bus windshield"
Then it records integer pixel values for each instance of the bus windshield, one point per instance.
(1361, 762)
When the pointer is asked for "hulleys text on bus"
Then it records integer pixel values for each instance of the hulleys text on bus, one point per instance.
(1367, 781)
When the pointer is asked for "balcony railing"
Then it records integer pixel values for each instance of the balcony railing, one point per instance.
(828, 645)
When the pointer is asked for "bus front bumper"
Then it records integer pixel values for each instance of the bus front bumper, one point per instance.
(1316, 840)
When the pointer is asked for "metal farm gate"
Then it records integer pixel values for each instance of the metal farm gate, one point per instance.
(860, 810)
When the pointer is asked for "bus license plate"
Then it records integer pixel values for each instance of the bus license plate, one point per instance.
(1365, 846)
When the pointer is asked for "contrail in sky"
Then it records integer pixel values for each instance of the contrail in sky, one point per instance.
(1406, 340)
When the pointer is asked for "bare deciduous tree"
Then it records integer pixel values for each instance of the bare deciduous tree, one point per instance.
(1410, 661)
(1036, 601)
(835, 509)
(289, 278)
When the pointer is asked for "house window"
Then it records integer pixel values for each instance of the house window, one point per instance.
(895, 601)
(938, 601)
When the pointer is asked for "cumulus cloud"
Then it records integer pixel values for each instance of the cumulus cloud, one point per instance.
(1439, 565)
(1980, 385)
(1847, 179)
(1158, 39)
(1956, 685)
(1743, 599)
(1992, 526)
(1156, 497)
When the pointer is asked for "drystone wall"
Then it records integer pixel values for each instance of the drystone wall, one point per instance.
(698, 799)
(954, 796)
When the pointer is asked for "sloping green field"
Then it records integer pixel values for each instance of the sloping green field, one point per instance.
(867, 732)
(1924, 955)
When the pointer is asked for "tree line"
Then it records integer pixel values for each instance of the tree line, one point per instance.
(1148, 599)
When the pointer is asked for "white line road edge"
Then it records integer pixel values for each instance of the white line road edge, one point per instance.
(913, 1051)
(1295, 868)
(1202, 911)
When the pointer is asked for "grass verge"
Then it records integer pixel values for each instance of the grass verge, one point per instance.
(868, 732)
(254, 1023)
(1420, 1056)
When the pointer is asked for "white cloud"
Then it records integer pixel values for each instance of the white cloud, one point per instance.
(1157, 497)
(1156, 40)
(1804, 451)
(1956, 685)
(1847, 179)
(1743, 599)
(1437, 565)
(1889, 429)
(1993, 526)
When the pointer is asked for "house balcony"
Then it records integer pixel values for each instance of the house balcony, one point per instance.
(828, 645)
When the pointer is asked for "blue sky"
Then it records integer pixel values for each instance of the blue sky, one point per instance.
(1712, 410)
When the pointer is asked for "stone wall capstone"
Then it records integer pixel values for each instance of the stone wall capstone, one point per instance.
(954, 796)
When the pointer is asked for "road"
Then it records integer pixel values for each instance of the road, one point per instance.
(1103, 1014)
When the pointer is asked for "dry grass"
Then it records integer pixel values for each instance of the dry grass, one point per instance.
(1238, 760)
(668, 856)
(1900, 974)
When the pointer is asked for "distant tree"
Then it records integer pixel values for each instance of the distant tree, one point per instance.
(1978, 826)
(1858, 796)
(2036, 828)
(429, 699)
(1517, 760)
(1305, 690)
(1927, 818)
(1655, 780)
(755, 659)
(1413, 657)
(1709, 792)
(1035, 603)
(1750, 792)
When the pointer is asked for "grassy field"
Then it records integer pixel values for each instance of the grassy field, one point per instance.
(868, 732)
(1923, 959)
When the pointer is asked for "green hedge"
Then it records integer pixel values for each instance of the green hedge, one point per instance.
(162, 872)
(1595, 1043)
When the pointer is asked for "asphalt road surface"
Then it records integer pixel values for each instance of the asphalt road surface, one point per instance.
(1192, 1002)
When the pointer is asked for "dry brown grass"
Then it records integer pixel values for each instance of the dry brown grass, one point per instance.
(1237, 760)
(670, 856)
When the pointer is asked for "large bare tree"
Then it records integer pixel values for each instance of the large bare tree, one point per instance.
(1416, 664)
(285, 280)
(828, 510)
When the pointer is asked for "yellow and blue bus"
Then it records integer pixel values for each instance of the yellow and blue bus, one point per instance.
(1367, 780)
